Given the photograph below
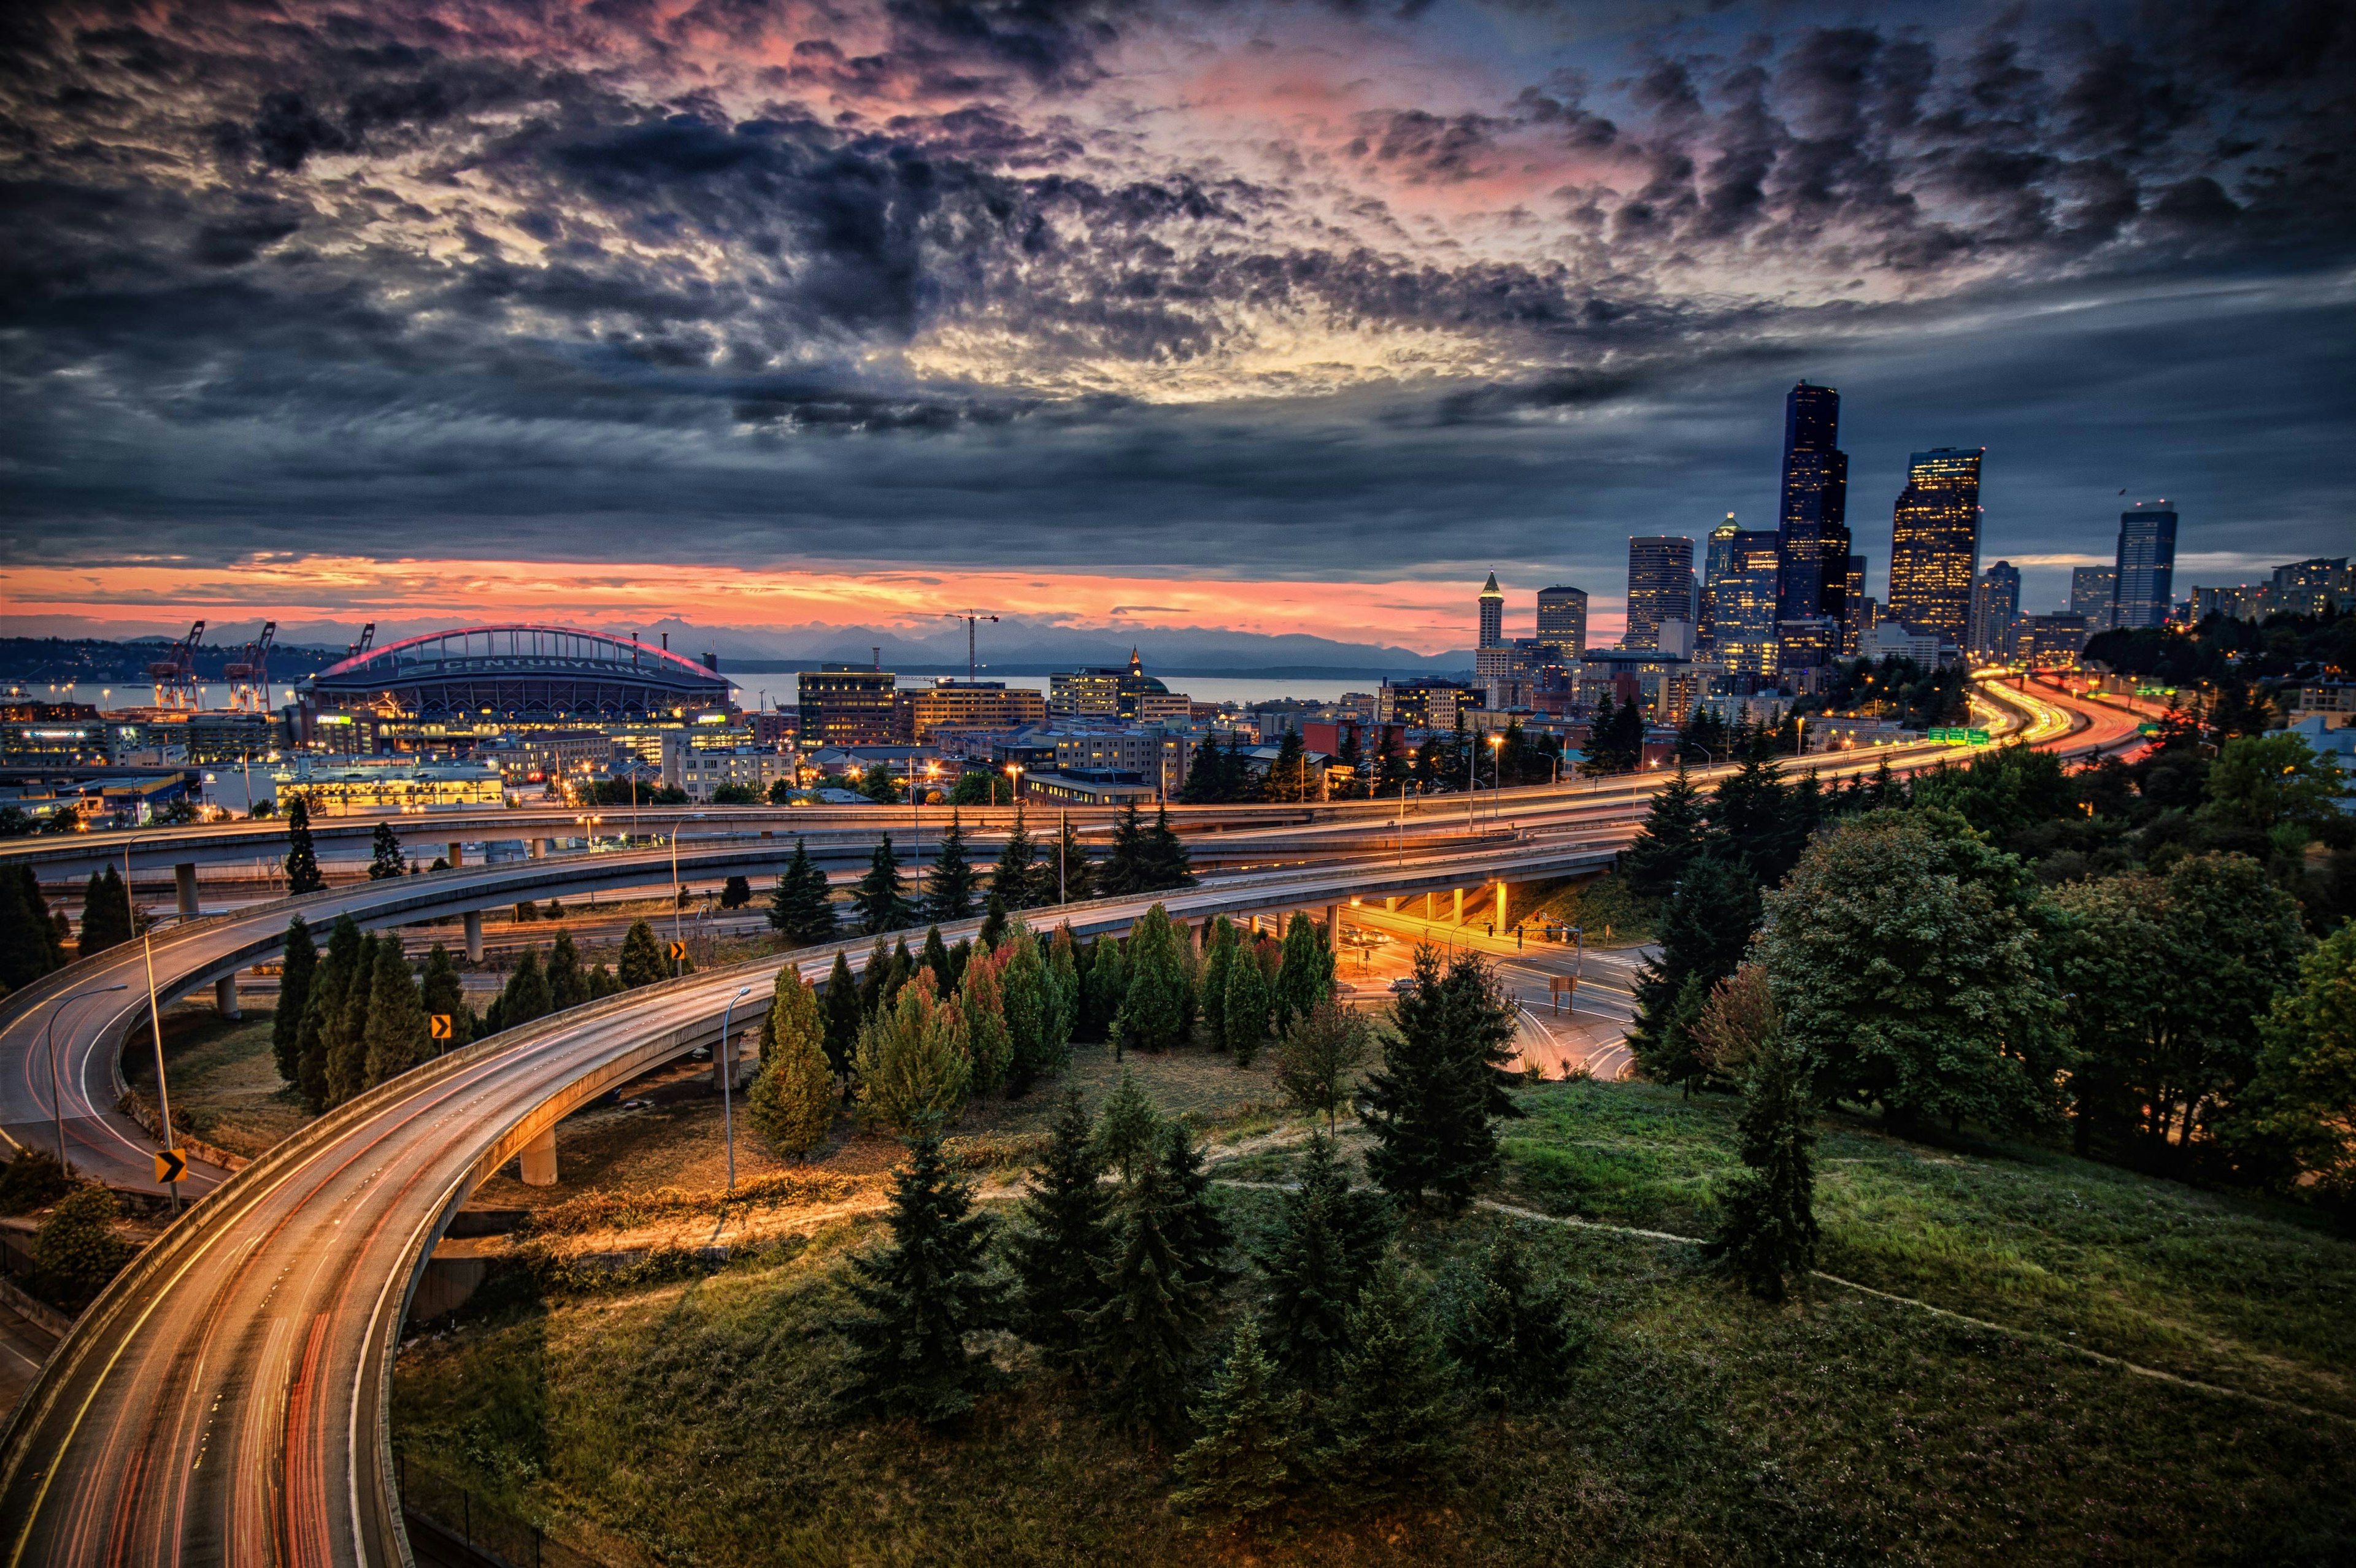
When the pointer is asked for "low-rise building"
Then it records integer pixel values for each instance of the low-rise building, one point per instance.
(701, 773)
(1426, 702)
(331, 788)
(1088, 786)
(2052, 642)
(1896, 639)
(921, 712)
(1149, 752)
(2334, 699)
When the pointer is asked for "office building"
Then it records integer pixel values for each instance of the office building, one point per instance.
(1147, 754)
(2093, 590)
(2052, 642)
(1660, 587)
(1425, 703)
(1809, 644)
(1109, 692)
(1562, 621)
(950, 704)
(1494, 661)
(1895, 639)
(1996, 600)
(2244, 601)
(1856, 619)
(1717, 559)
(2311, 587)
(1934, 548)
(1493, 613)
(1813, 530)
(845, 705)
(1743, 611)
(2146, 564)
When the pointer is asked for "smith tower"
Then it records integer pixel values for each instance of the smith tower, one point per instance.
(1812, 535)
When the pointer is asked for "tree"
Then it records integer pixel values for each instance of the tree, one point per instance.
(1511, 1331)
(1441, 1083)
(1155, 1009)
(1140, 1340)
(323, 1011)
(1107, 988)
(1016, 878)
(1077, 871)
(1395, 1413)
(1306, 976)
(982, 995)
(1243, 1461)
(913, 1064)
(1128, 869)
(1903, 952)
(1711, 917)
(2264, 781)
(1767, 1232)
(1064, 973)
(385, 859)
(1167, 863)
(792, 1099)
(1318, 1059)
(396, 1021)
(567, 986)
(950, 885)
(1199, 1238)
(881, 902)
(878, 785)
(1288, 776)
(76, 1246)
(444, 994)
(302, 860)
(347, 1030)
(29, 939)
(736, 891)
(1676, 832)
(843, 1016)
(527, 995)
(799, 909)
(297, 969)
(980, 787)
(1328, 1239)
(1219, 949)
(644, 962)
(924, 1295)
(2296, 1117)
(1027, 994)
(106, 921)
(1244, 1010)
(1615, 739)
(1062, 1239)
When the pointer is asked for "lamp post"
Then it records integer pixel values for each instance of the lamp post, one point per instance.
(728, 1083)
(57, 1103)
(677, 942)
(1014, 782)
(1496, 774)
(155, 1029)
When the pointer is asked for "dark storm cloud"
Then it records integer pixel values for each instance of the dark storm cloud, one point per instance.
(459, 268)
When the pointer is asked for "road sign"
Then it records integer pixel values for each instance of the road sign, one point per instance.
(438, 1027)
(171, 1165)
(679, 952)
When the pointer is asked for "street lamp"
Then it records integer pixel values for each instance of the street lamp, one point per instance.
(1496, 775)
(156, 1028)
(727, 1083)
(1014, 782)
(57, 1103)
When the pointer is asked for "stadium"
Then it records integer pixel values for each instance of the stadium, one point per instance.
(506, 674)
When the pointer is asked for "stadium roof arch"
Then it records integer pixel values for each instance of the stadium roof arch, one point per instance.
(518, 672)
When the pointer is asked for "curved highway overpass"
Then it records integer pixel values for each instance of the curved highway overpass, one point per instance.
(225, 1397)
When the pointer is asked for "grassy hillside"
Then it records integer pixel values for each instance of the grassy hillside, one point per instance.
(689, 1423)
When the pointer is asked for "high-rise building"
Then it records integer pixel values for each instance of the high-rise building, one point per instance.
(2147, 563)
(2093, 590)
(1995, 603)
(1660, 586)
(2309, 587)
(1493, 613)
(1742, 617)
(1934, 548)
(1717, 559)
(846, 705)
(1813, 532)
(1562, 621)
(1109, 692)
(1856, 622)
(1495, 661)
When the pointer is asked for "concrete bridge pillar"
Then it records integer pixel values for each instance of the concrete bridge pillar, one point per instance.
(539, 849)
(474, 924)
(540, 1161)
(225, 997)
(184, 883)
(1333, 928)
(1501, 903)
(1390, 904)
(456, 856)
(1460, 906)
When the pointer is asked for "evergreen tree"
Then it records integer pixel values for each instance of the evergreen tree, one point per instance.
(644, 962)
(1673, 835)
(75, 1249)
(1167, 861)
(1064, 974)
(993, 922)
(567, 986)
(302, 860)
(1154, 1007)
(1512, 1331)
(1077, 871)
(1394, 1414)
(443, 993)
(1243, 1461)
(843, 1016)
(1709, 922)
(395, 1039)
(385, 859)
(1106, 988)
(347, 1031)
(29, 944)
(982, 995)
(1746, 814)
(1219, 946)
(1199, 1237)
(914, 1063)
(924, 1295)
(882, 902)
(603, 982)
(1288, 776)
(875, 979)
(106, 919)
(1015, 879)
(1244, 1010)
(1328, 1239)
(734, 893)
(935, 959)
(1128, 869)
(1350, 759)
(1768, 1230)
(1306, 976)
(527, 995)
(950, 885)
(1127, 1128)
(792, 1099)
(1140, 1340)
(1062, 1241)
(1027, 998)
(800, 909)
(297, 969)
(1441, 1083)
(323, 1009)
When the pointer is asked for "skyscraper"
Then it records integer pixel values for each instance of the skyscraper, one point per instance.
(1854, 624)
(1562, 621)
(1934, 548)
(1493, 613)
(1743, 615)
(1812, 544)
(1660, 586)
(1497, 661)
(2093, 593)
(2147, 563)
(1717, 560)
(1996, 605)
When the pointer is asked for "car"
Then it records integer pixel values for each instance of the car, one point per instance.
(1402, 985)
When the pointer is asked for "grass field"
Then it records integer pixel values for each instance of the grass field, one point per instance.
(225, 1085)
(690, 1422)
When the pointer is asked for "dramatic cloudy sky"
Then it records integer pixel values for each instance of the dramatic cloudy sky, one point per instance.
(1274, 316)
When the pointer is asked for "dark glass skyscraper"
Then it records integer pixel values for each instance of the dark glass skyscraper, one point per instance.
(1812, 535)
(1934, 547)
(2147, 563)
(1660, 586)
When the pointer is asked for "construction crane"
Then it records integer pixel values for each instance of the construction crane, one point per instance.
(367, 636)
(969, 617)
(174, 674)
(249, 674)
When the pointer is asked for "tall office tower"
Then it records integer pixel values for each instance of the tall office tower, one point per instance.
(1717, 560)
(1934, 548)
(1660, 587)
(1996, 602)
(1562, 621)
(1493, 613)
(2094, 590)
(2147, 563)
(1744, 615)
(1855, 624)
(1495, 661)
(1812, 533)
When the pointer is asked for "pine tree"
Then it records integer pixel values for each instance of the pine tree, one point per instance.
(1167, 862)
(1219, 946)
(1676, 831)
(527, 995)
(1306, 976)
(29, 945)
(1243, 1462)
(1062, 1241)
(106, 920)
(1140, 1340)
(302, 860)
(913, 1062)
(1015, 878)
(950, 885)
(936, 959)
(1128, 869)
(924, 1294)
(1511, 1331)
(1077, 871)
(1064, 973)
(875, 979)
(993, 922)
(982, 995)
(1127, 1128)
(1328, 1239)
(879, 896)
(792, 1100)
(843, 1016)
(1026, 994)
(1107, 988)
(296, 970)
(604, 982)
(799, 909)
(567, 986)
(1244, 1010)
(444, 994)
(323, 1011)
(1704, 932)
(1394, 1414)
(346, 1032)
(385, 859)
(1198, 1235)
(395, 1041)
(1441, 1083)
(1155, 1005)
(1288, 776)
(1767, 1233)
